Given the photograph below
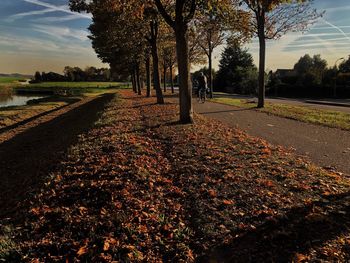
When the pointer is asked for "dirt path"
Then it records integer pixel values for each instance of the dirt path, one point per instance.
(327, 147)
(29, 152)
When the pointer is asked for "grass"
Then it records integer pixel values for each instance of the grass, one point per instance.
(76, 85)
(327, 118)
(72, 88)
(7, 83)
(12, 115)
(7, 247)
(8, 80)
(63, 93)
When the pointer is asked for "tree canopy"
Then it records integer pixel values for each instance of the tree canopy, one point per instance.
(236, 70)
(124, 32)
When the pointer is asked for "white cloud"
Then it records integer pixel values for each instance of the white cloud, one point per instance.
(327, 27)
(62, 32)
(64, 8)
(336, 28)
(56, 19)
(30, 13)
(49, 8)
(337, 9)
(29, 45)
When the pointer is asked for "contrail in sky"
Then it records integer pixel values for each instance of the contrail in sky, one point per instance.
(64, 9)
(337, 28)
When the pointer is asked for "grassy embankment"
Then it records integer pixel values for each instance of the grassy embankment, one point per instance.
(10, 80)
(138, 187)
(327, 118)
(59, 94)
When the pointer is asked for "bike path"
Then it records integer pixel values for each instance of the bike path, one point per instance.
(326, 147)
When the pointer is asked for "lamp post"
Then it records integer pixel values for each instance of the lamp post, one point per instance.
(335, 77)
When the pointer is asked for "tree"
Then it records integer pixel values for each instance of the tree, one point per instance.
(344, 67)
(271, 19)
(170, 61)
(196, 54)
(121, 31)
(303, 65)
(91, 73)
(310, 70)
(69, 73)
(148, 73)
(37, 77)
(154, 26)
(184, 13)
(211, 31)
(236, 70)
(214, 24)
(168, 52)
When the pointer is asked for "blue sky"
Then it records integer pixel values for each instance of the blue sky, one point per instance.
(329, 36)
(44, 35)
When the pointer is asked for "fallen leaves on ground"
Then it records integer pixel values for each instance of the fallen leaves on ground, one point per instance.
(140, 187)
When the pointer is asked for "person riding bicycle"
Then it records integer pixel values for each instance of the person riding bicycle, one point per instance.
(202, 84)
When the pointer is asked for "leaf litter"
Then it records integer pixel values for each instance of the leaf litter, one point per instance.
(139, 187)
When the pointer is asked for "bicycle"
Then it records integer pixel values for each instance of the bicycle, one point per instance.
(201, 95)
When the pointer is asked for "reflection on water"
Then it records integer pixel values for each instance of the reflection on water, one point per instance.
(7, 100)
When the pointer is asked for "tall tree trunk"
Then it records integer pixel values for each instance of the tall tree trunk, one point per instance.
(155, 57)
(262, 57)
(210, 57)
(138, 79)
(133, 80)
(164, 77)
(148, 76)
(172, 79)
(186, 112)
(142, 83)
(156, 75)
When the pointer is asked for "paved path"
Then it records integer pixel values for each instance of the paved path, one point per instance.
(327, 147)
(298, 102)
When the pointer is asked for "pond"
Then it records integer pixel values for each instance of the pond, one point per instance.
(7, 100)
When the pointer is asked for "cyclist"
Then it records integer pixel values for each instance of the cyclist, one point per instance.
(202, 85)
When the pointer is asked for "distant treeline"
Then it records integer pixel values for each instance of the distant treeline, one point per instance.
(15, 75)
(75, 74)
(310, 76)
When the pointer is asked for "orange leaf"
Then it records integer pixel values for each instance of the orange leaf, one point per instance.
(106, 245)
(228, 202)
(82, 251)
(212, 193)
(300, 258)
(35, 211)
(118, 205)
(266, 151)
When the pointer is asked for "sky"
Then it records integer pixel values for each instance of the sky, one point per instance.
(45, 35)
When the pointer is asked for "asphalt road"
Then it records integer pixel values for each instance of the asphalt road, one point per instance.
(326, 147)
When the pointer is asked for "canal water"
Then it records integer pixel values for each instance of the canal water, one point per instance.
(16, 100)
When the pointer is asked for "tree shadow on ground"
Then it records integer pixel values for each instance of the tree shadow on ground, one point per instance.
(28, 158)
(68, 101)
(281, 238)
